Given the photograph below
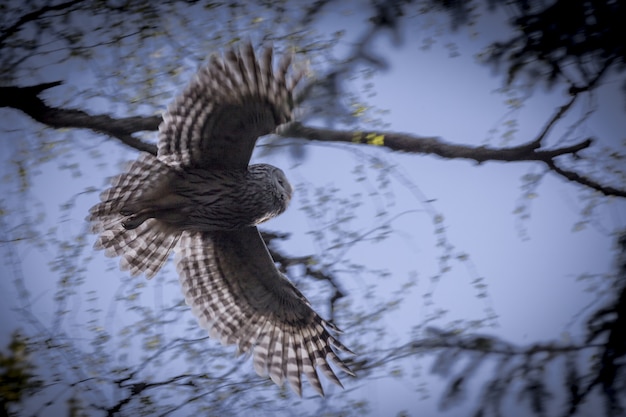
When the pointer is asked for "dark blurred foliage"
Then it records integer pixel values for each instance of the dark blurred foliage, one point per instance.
(570, 39)
(564, 40)
(592, 365)
(17, 374)
(608, 326)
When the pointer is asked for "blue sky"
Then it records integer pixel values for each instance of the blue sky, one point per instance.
(530, 266)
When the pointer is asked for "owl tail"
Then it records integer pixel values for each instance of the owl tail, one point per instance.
(145, 246)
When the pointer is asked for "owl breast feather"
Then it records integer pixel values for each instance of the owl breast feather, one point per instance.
(224, 199)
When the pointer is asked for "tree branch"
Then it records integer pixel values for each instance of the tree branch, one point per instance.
(29, 17)
(27, 100)
(575, 177)
(428, 145)
(432, 145)
(557, 116)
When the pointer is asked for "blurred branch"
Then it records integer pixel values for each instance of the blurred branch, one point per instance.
(29, 17)
(575, 92)
(588, 182)
(607, 325)
(526, 369)
(27, 100)
(458, 357)
(429, 145)
(312, 11)
(426, 145)
(561, 40)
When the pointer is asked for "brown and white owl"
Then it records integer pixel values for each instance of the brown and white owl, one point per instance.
(199, 197)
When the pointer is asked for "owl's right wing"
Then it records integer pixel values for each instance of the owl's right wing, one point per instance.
(230, 102)
(234, 289)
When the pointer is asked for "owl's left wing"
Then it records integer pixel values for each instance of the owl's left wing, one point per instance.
(230, 102)
(234, 289)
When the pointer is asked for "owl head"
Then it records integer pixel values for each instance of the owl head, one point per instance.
(275, 185)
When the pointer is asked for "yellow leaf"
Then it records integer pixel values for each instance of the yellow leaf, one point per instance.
(374, 139)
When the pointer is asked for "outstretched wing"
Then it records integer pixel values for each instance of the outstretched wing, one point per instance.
(233, 287)
(232, 101)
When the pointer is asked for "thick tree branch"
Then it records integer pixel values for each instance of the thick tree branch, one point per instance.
(429, 145)
(27, 100)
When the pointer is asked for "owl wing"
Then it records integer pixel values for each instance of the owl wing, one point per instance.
(234, 289)
(232, 101)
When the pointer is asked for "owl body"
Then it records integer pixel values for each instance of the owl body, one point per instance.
(200, 198)
(232, 199)
(204, 200)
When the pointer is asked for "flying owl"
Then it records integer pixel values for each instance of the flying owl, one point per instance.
(201, 199)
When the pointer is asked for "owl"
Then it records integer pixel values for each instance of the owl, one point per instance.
(199, 198)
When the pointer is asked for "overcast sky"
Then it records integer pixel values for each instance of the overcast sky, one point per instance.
(530, 266)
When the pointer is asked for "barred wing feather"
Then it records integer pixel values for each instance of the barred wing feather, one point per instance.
(230, 102)
(146, 248)
(234, 289)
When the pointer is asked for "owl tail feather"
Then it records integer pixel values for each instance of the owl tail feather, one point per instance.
(144, 244)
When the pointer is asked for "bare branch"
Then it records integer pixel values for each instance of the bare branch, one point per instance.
(427, 145)
(432, 145)
(312, 11)
(575, 92)
(29, 17)
(559, 113)
(587, 182)
(27, 100)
